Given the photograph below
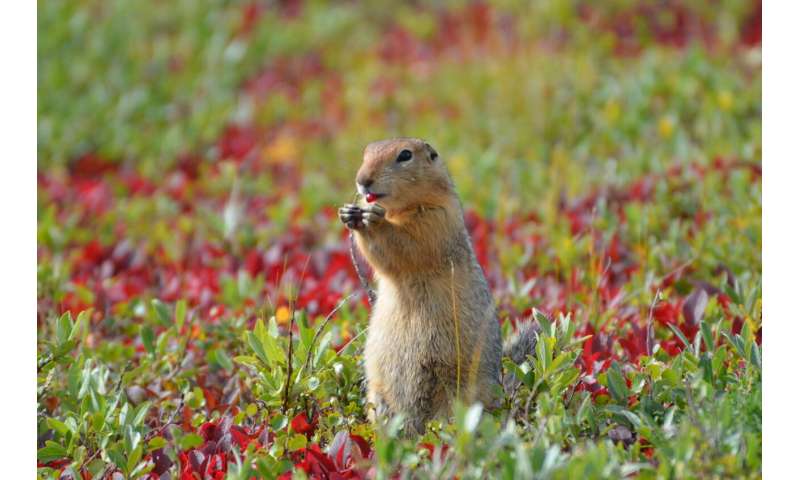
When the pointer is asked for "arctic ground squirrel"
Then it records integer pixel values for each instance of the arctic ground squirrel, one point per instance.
(433, 331)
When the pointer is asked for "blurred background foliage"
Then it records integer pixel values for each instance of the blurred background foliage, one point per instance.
(554, 95)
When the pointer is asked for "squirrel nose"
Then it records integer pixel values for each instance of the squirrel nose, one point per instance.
(365, 182)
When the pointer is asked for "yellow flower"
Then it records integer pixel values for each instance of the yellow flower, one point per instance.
(612, 111)
(282, 150)
(666, 126)
(282, 315)
(725, 100)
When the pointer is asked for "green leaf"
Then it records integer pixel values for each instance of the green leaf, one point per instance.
(81, 323)
(258, 348)
(671, 376)
(266, 345)
(51, 451)
(161, 312)
(260, 330)
(133, 458)
(278, 422)
(116, 456)
(196, 397)
(737, 343)
(747, 339)
(148, 339)
(708, 338)
(155, 443)
(655, 369)
(296, 442)
(223, 360)
(273, 328)
(521, 371)
(63, 328)
(273, 350)
(565, 379)
(132, 439)
(708, 370)
(140, 413)
(755, 356)
(543, 321)
(717, 361)
(560, 360)
(162, 342)
(634, 419)
(190, 440)
(180, 314)
(577, 341)
(246, 360)
(542, 356)
(123, 415)
(306, 333)
(617, 385)
(64, 348)
(680, 335)
(141, 469)
(322, 346)
(58, 426)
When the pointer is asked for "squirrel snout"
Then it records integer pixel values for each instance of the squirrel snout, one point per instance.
(363, 184)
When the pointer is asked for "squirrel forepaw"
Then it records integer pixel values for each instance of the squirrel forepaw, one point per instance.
(357, 217)
(352, 216)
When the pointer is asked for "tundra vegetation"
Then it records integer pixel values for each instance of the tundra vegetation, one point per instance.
(198, 313)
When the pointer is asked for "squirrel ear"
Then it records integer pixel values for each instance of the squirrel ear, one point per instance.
(432, 152)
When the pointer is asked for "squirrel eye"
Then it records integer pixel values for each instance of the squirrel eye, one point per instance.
(404, 156)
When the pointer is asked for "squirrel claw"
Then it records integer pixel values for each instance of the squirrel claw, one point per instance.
(352, 216)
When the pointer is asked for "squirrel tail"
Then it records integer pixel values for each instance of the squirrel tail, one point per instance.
(523, 342)
(518, 346)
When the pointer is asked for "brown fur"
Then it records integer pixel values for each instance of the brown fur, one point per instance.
(417, 244)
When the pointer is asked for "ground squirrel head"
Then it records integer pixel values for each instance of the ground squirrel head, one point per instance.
(403, 173)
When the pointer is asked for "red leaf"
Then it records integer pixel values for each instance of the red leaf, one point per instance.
(208, 431)
(300, 424)
(694, 306)
(666, 313)
(237, 142)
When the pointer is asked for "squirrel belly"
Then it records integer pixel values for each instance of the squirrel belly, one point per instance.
(432, 337)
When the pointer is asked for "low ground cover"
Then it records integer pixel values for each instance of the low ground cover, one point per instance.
(198, 312)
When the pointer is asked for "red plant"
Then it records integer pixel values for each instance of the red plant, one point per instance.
(300, 424)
